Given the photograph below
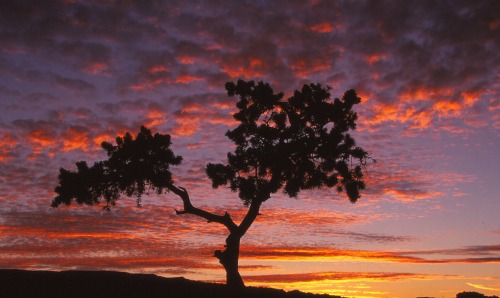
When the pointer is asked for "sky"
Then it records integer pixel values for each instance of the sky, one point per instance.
(75, 73)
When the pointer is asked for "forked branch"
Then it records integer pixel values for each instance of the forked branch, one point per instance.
(190, 209)
(253, 212)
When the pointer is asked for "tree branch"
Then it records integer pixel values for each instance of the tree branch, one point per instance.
(190, 209)
(252, 213)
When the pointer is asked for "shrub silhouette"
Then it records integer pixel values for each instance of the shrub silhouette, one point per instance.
(473, 295)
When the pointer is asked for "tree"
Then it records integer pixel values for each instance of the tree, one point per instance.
(473, 295)
(290, 145)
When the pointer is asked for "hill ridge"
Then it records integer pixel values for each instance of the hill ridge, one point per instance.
(79, 283)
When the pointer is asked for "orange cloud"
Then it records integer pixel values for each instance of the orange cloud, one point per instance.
(57, 234)
(160, 78)
(398, 113)
(426, 93)
(324, 27)
(149, 85)
(190, 117)
(249, 68)
(448, 108)
(95, 68)
(225, 120)
(471, 97)
(155, 116)
(157, 69)
(276, 216)
(304, 67)
(419, 108)
(411, 196)
(167, 264)
(104, 137)
(188, 121)
(185, 59)
(322, 254)
(374, 58)
(43, 239)
(76, 137)
(338, 276)
(40, 137)
(7, 143)
(186, 129)
(442, 102)
(186, 79)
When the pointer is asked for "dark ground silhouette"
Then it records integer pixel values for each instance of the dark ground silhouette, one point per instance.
(75, 284)
(110, 284)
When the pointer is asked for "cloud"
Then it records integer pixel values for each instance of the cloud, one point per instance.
(388, 179)
(324, 27)
(122, 242)
(90, 57)
(483, 287)
(201, 110)
(477, 250)
(8, 145)
(340, 276)
(372, 237)
(229, 47)
(322, 253)
(39, 133)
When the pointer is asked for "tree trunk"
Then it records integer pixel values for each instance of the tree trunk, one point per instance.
(229, 259)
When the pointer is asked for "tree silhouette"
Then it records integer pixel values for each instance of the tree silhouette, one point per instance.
(290, 145)
(473, 295)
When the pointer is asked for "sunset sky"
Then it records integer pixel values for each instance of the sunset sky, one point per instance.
(74, 73)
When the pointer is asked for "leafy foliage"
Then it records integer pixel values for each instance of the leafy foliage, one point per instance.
(295, 144)
(473, 295)
(134, 166)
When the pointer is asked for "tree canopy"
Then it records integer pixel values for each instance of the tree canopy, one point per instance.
(295, 144)
(134, 166)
